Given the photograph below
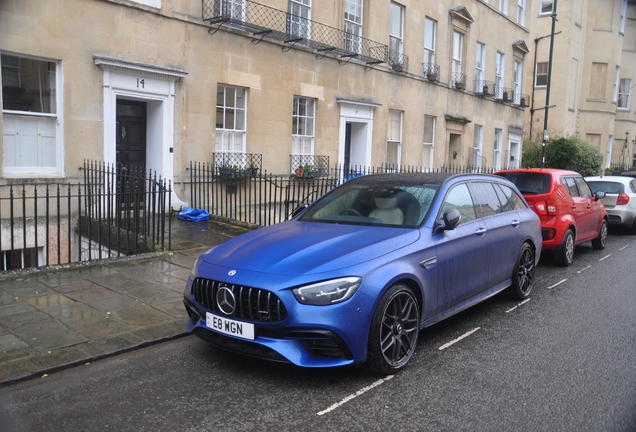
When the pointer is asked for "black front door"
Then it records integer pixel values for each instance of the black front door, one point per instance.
(131, 135)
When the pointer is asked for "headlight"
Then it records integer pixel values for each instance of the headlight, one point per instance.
(328, 292)
(198, 260)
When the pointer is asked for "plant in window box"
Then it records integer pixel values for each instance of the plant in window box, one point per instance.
(505, 96)
(460, 85)
(431, 76)
(299, 172)
(252, 171)
(485, 90)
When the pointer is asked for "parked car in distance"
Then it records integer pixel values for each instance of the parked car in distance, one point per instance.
(629, 174)
(619, 200)
(570, 213)
(355, 276)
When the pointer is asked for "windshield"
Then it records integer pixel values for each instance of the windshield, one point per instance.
(373, 204)
(529, 183)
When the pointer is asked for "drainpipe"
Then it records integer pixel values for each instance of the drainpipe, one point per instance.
(547, 94)
(534, 77)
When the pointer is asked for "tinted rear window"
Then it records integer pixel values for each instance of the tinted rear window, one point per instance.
(607, 187)
(529, 183)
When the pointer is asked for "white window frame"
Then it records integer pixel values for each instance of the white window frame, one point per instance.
(429, 144)
(617, 79)
(624, 94)
(228, 135)
(496, 153)
(430, 40)
(503, 6)
(500, 68)
(546, 7)
(353, 25)
(236, 8)
(299, 18)
(396, 35)
(517, 77)
(458, 48)
(392, 139)
(521, 12)
(303, 125)
(478, 143)
(46, 127)
(480, 64)
(621, 27)
(537, 75)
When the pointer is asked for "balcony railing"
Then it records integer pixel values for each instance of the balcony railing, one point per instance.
(459, 80)
(264, 22)
(309, 165)
(398, 61)
(237, 165)
(430, 71)
(484, 88)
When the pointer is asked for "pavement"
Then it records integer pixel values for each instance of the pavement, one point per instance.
(62, 316)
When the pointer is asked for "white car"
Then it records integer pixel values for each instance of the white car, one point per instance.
(619, 200)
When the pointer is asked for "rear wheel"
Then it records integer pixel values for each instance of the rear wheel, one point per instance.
(523, 276)
(565, 255)
(394, 330)
(599, 242)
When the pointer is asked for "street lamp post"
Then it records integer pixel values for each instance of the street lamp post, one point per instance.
(546, 134)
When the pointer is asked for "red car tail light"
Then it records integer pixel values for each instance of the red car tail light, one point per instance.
(551, 206)
(622, 199)
(541, 208)
(547, 207)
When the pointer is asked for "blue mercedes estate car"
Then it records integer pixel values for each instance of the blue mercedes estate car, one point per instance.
(353, 278)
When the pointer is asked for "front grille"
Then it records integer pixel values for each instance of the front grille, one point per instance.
(252, 304)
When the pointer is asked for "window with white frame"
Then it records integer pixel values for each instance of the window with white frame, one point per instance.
(396, 29)
(521, 12)
(458, 43)
(303, 121)
(231, 118)
(480, 54)
(394, 139)
(621, 28)
(541, 74)
(430, 36)
(478, 140)
(353, 25)
(546, 7)
(516, 82)
(234, 9)
(503, 6)
(429, 142)
(496, 153)
(617, 78)
(298, 17)
(624, 93)
(32, 115)
(499, 74)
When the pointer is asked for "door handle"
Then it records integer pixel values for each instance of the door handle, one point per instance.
(515, 223)
(480, 231)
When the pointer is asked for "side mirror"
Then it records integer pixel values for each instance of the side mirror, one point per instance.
(599, 194)
(449, 220)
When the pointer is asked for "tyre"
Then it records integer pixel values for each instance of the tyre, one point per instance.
(632, 229)
(394, 331)
(523, 276)
(599, 242)
(565, 255)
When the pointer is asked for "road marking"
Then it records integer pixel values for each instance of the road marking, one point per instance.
(458, 339)
(583, 269)
(557, 284)
(624, 247)
(354, 395)
(605, 257)
(522, 303)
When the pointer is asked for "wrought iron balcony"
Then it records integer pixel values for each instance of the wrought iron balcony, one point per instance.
(309, 165)
(459, 80)
(237, 165)
(398, 62)
(522, 100)
(430, 71)
(264, 22)
(484, 88)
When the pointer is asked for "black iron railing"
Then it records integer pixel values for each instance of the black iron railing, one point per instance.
(309, 165)
(459, 80)
(116, 210)
(237, 165)
(484, 88)
(264, 22)
(430, 71)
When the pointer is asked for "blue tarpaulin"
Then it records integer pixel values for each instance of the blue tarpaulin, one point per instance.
(195, 215)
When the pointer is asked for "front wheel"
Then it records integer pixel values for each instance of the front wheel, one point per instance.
(599, 242)
(394, 331)
(523, 276)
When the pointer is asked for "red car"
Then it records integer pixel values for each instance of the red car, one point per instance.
(570, 213)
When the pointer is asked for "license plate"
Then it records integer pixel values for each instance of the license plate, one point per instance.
(230, 327)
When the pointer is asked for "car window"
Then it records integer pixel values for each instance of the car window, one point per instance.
(509, 198)
(529, 183)
(632, 185)
(584, 189)
(486, 201)
(609, 187)
(459, 198)
(570, 185)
